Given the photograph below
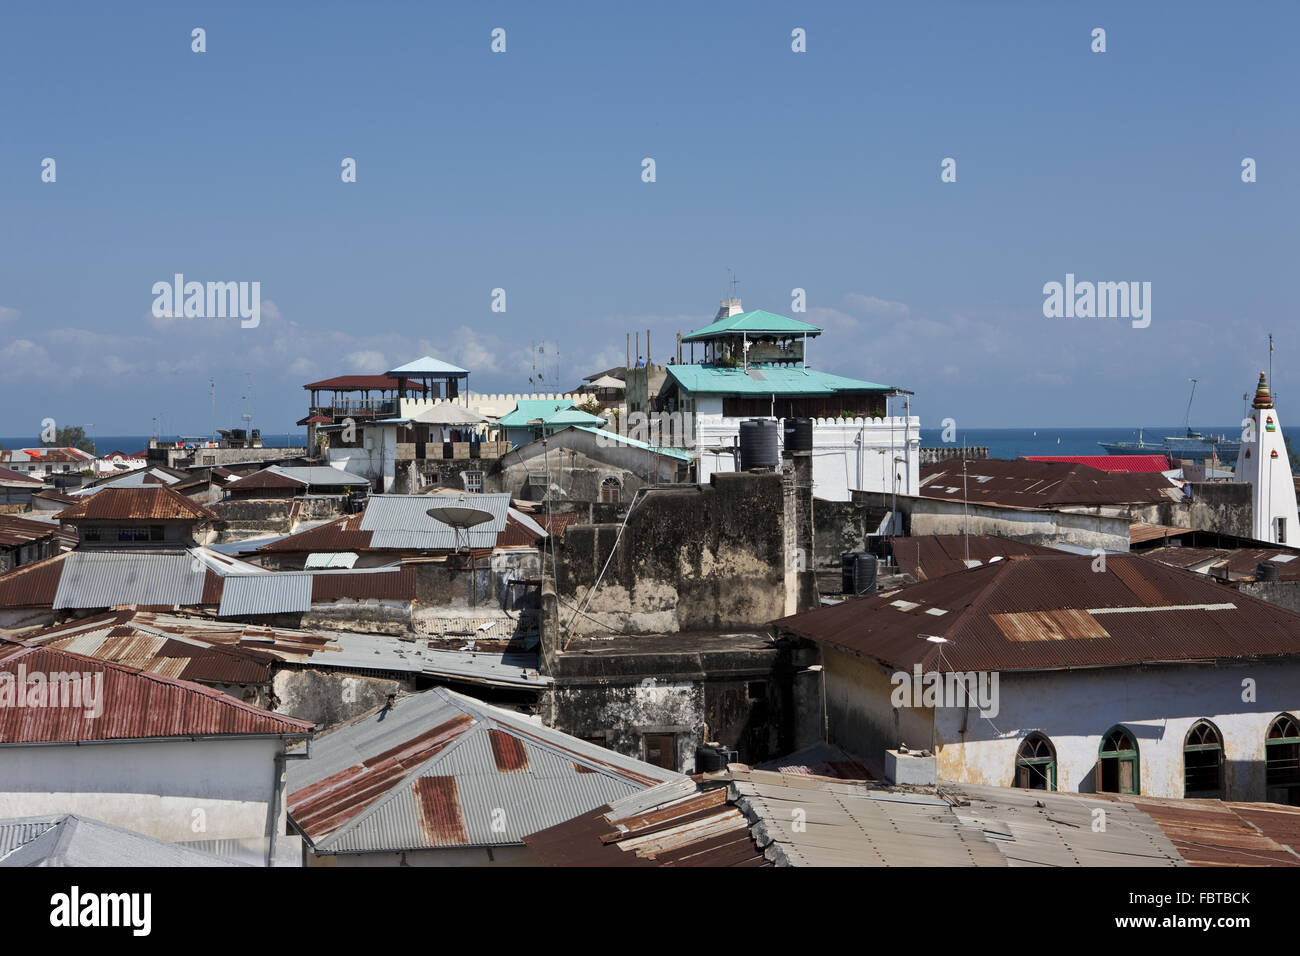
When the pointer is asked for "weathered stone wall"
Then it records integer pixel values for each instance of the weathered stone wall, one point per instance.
(330, 697)
(696, 559)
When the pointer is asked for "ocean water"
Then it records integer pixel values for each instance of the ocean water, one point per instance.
(1015, 442)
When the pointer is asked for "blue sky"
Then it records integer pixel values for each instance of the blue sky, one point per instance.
(522, 170)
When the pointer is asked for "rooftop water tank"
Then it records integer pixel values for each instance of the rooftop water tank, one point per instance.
(798, 434)
(758, 444)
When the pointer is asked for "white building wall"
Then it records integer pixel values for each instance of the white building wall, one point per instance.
(1158, 705)
(175, 791)
(1264, 462)
(848, 453)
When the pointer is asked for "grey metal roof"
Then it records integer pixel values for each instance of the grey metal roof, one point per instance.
(319, 475)
(330, 559)
(107, 578)
(359, 805)
(426, 365)
(400, 521)
(70, 840)
(1037, 828)
(132, 479)
(274, 592)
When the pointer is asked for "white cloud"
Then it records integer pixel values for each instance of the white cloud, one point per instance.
(367, 362)
(8, 315)
(872, 305)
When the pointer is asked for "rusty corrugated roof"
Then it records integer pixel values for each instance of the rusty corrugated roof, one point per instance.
(933, 556)
(1224, 833)
(438, 769)
(135, 704)
(155, 503)
(33, 585)
(15, 531)
(1041, 484)
(1023, 614)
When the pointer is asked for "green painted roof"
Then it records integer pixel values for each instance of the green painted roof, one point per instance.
(756, 321)
(767, 380)
(551, 411)
(681, 453)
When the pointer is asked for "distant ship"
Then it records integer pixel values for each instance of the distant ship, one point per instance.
(1192, 446)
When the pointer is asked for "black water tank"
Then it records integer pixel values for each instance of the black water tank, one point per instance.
(710, 759)
(798, 434)
(1267, 571)
(858, 570)
(758, 446)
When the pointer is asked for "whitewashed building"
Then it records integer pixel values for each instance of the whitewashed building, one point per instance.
(753, 365)
(1116, 675)
(1263, 461)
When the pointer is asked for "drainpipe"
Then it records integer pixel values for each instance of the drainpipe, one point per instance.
(278, 796)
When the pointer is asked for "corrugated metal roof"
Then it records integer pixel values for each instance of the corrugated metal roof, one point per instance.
(400, 521)
(427, 365)
(15, 531)
(756, 321)
(135, 704)
(679, 453)
(549, 411)
(275, 592)
(155, 503)
(70, 840)
(1124, 463)
(33, 585)
(92, 579)
(933, 556)
(1138, 611)
(1220, 833)
(1041, 484)
(425, 774)
(118, 638)
(766, 380)
(341, 559)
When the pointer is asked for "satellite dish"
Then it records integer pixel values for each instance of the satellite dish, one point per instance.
(460, 518)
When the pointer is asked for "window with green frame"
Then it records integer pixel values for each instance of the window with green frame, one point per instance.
(1282, 757)
(1036, 763)
(1117, 763)
(1203, 761)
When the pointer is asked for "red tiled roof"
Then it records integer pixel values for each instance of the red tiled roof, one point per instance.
(136, 504)
(1122, 463)
(135, 705)
(1052, 612)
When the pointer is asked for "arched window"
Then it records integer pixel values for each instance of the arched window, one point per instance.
(1036, 763)
(609, 490)
(1117, 763)
(1203, 761)
(1282, 760)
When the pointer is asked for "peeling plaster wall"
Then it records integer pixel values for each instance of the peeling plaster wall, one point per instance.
(329, 697)
(622, 713)
(863, 720)
(1158, 705)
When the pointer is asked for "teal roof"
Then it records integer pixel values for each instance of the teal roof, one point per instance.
(756, 322)
(550, 411)
(681, 453)
(767, 380)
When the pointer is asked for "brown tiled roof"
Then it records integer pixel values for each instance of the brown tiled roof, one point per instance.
(1050, 612)
(135, 705)
(933, 556)
(136, 504)
(1041, 484)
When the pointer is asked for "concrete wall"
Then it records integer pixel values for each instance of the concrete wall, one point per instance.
(151, 788)
(699, 558)
(863, 720)
(1158, 705)
(328, 696)
(925, 516)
